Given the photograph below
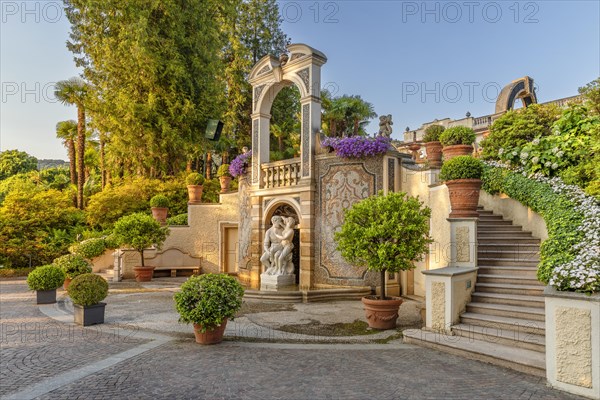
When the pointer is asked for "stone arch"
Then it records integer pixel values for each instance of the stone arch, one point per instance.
(286, 206)
(522, 88)
(301, 66)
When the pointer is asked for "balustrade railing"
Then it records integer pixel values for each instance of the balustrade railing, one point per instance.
(280, 173)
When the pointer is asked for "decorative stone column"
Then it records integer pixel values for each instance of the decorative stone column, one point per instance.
(463, 242)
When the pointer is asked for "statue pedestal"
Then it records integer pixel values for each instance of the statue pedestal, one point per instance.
(275, 282)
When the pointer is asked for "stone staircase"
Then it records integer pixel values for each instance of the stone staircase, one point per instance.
(504, 322)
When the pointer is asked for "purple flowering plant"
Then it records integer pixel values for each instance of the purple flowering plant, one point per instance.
(358, 146)
(239, 165)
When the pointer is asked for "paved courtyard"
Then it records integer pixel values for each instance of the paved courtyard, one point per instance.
(135, 356)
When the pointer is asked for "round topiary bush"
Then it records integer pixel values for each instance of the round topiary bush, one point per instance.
(47, 277)
(73, 265)
(88, 289)
(208, 299)
(160, 200)
(432, 133)
(194, 179)
(223, 170)
(181, 219)
(461, 167)
(89, 248)
(457, 135)
(139, 231)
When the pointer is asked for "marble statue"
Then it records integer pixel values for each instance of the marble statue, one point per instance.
(278, 247)
(385, 125)
(283, 257)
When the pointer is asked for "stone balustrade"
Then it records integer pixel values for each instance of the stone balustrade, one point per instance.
(280, 173)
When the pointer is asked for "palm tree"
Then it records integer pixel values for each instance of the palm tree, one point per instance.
(73, 91)
(67, 131)
(346, 115)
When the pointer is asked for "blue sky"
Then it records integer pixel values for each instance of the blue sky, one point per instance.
(415, 60)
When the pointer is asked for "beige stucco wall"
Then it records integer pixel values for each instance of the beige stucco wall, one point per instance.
(104, 261)
(438, 306)
(515, 211)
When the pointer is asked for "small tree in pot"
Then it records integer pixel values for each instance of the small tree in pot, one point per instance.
(87, 291)
(195, 182)
(462, 175)
(45, 280)
(457, 141)
(73, 265)
(208, 301)
(160, 208)
(433, 147)
(224, 177)
(385, 234)
(140, 231)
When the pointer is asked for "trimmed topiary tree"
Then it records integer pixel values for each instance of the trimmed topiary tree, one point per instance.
(139, 231)
(223, 170)
(194, 179)
(160, 200)
(89, 248)
(461, 167)
(47, 277)
(73, 265)
(385, 233)
(88, 289)
(432, 133)
(457, 135)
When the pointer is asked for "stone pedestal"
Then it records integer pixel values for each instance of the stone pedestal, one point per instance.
(463, 242)
(276, 282)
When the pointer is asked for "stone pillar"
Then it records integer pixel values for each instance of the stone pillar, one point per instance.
(311, 124)
(260, 145)
(307, 244)
(463, 242)
(573, 342)
(447, 292)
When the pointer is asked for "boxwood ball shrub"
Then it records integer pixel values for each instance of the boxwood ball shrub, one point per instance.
(432, 133)
(88, 289)
(160, 200)
(48, 277)
(181, 219)
(73, 265)
(89, 248)
(194, 179)
(461, 167)
(208, 299)
(223, 170)
(139, 231)
(457, 135)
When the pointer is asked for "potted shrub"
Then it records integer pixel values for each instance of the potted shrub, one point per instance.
(45, 280)
(160, 208)
(224, 177)
(73, 265)
(87, 291)
(208, 301)
(195, 182)
(457, 141)
(433, 147)
(385, 234)
(89, 248)
(462, 175)
(140, 231)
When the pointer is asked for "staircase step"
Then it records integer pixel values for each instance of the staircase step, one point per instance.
(510, 299)
(511, 279)
(499, 240)
(513, 245)
(504, 310)
(504, 337)
(508, 288)
(523, 360)
(510, 323)
(503, 226)
(526, 272)
(507, 262)
(513, 235)
(511, 255)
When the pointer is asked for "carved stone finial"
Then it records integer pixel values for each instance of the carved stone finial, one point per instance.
(385, 125)
(468, 114)
(283, 59)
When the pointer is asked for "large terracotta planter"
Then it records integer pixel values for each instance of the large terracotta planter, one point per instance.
(225, 183)
(143, 274)
(434, 154)
(66, 283)
(464, 197)
(160, 214)
(211, 336)
(195, 193)
(457, 150)
(381, 314)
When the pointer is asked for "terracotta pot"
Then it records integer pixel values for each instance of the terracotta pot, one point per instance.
(381, 314)
(195, 193)
(225, 183)
(211, 336)
(434, 154)
(457, 150)
(143, 274)
(66, 283)
(464, 197)
(160, 214)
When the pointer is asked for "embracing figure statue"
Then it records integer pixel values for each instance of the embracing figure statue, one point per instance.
(278, 246)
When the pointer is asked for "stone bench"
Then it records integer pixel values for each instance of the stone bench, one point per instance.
(194, 268)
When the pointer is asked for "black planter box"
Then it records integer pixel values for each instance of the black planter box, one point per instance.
(89, 315)
(46, 296)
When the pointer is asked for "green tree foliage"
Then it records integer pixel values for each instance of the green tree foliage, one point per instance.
(385, 233)
(67, 132)
(37, 223)
(591, 93)
(139, 231)
(345, 115)
(285, 124)
(13, 162)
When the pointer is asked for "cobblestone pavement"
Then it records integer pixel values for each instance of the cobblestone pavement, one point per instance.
(180, 369)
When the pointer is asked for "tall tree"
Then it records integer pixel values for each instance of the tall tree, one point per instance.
(73, 91)
(13, 162)
(67, 131)
(346, 115)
